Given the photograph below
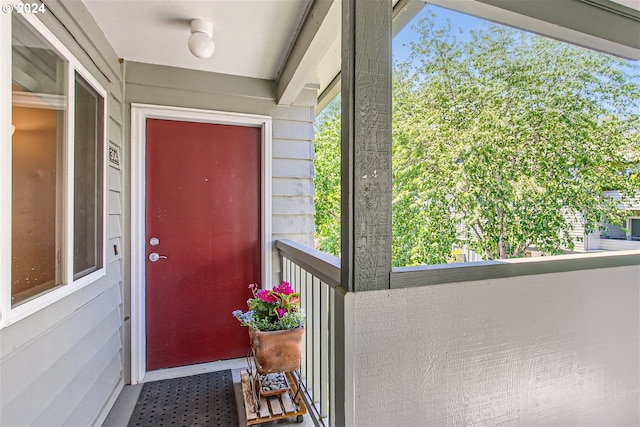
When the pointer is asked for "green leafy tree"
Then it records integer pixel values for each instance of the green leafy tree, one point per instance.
(496, 137)
(327, 181)
(499, 136)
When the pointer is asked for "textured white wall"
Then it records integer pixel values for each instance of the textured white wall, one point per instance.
(553, 349)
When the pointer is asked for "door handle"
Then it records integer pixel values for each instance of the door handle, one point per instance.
(153, 257)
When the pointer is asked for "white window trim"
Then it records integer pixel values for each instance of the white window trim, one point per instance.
(139, 115)
(629, 219)
(8, 314)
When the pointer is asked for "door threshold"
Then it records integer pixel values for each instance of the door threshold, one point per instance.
(201, 368)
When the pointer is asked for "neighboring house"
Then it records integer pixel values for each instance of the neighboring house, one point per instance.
(612, 238)
(102, 108)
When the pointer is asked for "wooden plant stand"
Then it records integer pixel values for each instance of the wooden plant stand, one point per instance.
(285, 405)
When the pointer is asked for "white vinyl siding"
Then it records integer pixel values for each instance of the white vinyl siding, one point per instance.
(619, 245)
(62, 365)
(577, 232)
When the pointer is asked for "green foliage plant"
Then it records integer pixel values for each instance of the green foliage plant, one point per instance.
(327, 181)
(272, 309)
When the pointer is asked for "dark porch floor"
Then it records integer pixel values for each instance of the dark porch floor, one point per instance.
(123, 408)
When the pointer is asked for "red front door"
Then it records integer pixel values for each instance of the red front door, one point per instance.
(203, 206)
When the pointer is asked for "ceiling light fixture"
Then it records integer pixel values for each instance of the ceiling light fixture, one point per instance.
(201, 39)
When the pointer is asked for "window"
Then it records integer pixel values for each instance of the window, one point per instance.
(629, 230)
(57, 177)
(38, 114)
(87, 244)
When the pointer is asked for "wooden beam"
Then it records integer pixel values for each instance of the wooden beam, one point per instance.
(365, 181)
(601, 25)
(320, 28)
(366, 145)
(403, 12)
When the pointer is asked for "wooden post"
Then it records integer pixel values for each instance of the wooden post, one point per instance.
(366, 180)
(366, 144)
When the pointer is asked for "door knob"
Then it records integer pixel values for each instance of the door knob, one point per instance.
(153, 257)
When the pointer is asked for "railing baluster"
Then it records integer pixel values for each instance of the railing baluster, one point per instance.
(324, 347)
(299, 287)
(311, 319)
(315, 275)
(315, 386)
(286, 269)
(332, 358)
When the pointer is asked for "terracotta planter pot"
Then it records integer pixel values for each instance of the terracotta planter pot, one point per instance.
(276, 351)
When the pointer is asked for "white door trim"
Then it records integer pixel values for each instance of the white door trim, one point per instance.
(139, 115)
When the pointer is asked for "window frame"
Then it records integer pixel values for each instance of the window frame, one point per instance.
(100, 171)
(9, 314)
(629, 224)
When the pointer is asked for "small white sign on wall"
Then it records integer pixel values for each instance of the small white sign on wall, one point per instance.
(114, 156)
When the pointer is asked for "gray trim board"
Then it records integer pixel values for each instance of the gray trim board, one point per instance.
(613, 7)
(304, 52)
(327, 267)
(342, 374)
(410, 277)
(324, 266)
(606, 20)
(154, 76)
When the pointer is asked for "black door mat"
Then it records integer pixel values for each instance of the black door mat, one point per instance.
(198, 400)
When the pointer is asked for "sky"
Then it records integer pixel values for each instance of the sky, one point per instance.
(400, 44)
(400, 49)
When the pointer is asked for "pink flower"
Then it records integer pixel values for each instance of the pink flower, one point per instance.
(284, 288)
(281, 312)
(253, 285)
(266, 296)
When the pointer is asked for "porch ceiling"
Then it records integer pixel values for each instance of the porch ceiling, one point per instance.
(297, 42)
(252, 37)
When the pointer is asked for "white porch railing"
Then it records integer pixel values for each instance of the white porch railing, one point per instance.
(315, 275)
(619, 244)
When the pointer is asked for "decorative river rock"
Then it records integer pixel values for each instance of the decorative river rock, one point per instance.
(273, 383)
